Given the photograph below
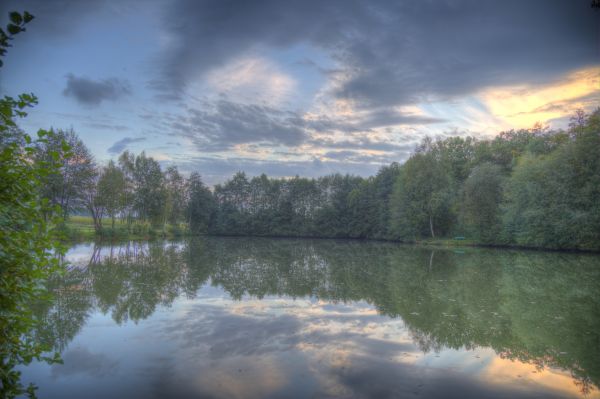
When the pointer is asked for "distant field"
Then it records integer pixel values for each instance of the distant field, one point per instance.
(82, 227)
(87, 220)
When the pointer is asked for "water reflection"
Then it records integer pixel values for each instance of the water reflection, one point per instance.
(296, 318)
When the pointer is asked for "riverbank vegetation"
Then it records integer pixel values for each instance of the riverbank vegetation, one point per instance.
(531, 188)
(29, 241)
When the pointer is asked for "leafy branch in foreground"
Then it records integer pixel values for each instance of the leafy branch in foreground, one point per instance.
(16, 25)
(29, 246)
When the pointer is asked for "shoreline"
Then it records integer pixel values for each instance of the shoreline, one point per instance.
(75, 235)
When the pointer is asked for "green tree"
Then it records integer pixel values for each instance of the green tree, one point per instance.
(127, 166)
(112, 191)
(150, 192)
(552, 199)
(200, 206)
(74, 170)
(28, 240)
(176, 195)
(421, 198)
(482, 195)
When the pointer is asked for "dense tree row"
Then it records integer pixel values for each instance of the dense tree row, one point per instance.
(534, 188)
(135, 189)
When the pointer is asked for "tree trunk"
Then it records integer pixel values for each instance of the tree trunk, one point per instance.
(431, 226)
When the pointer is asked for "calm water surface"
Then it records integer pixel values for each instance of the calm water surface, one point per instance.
(276, 318)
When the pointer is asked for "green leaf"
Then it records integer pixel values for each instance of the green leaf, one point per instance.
(16, 18)
(27, 17)
(13, 29)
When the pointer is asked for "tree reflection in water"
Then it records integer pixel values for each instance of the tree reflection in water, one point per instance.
(538, 308)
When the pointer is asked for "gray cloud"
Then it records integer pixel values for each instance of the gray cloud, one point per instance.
(393, 52)
(108, 126)
(358, 157)
(224, 124)
(216, 170)
(388, 117)
(366, 144)
(119, 146)
(81, 361)
(220, 125)
(91, 92)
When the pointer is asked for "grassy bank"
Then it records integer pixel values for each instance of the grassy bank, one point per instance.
(78, 228)
(81, 228)
(448, 242)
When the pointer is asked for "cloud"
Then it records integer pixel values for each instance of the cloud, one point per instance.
(524, 105)
(108, 126)
(90, 92)
(222, 125)
(119, 146)
(81, 361)
(215, 170)
(252, 78)
(357, 156)
(389, 52)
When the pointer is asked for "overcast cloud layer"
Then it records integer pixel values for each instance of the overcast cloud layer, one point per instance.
(305, 88)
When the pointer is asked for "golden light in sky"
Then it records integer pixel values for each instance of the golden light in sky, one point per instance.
(522, 106)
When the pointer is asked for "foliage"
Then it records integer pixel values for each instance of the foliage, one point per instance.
(111, 191)
(200, 205)
(421, 197)
(28, 243)
(552, 199)
(73, 170)
(16, 25)
(533, 188)
(481, 202)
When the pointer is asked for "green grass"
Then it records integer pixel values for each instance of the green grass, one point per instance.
(448, 242)
(78, 228)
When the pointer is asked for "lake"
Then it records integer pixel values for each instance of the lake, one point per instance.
(290, 318)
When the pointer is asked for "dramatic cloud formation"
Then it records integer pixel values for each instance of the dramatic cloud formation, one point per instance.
(89, 92)
(254, 79)
(391, 52)
(120, 146)
(227, 124)
(301, 87)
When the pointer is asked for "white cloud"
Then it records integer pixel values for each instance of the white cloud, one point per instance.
(252, 79)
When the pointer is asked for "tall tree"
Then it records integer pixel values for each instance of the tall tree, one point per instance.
(176, 195)
(73, 167)
(150, 192)
(482, 195)
(112, 191)
(421, 197)
(127, 166)
(200, 205)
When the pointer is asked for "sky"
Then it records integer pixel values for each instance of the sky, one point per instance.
(303, 88)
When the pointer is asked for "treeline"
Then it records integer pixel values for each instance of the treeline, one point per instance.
(134, 190)
(532, 188)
